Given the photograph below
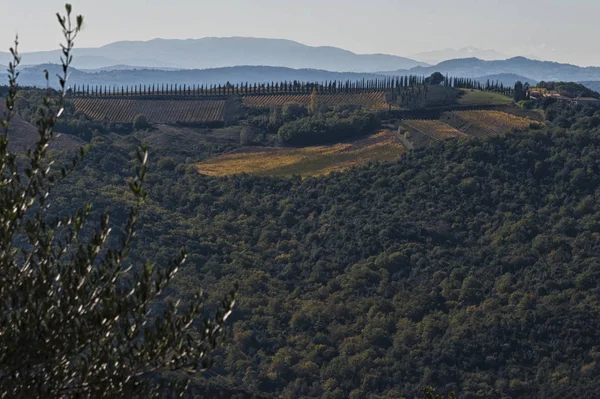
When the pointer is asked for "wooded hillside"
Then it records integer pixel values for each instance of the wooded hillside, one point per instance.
(469, 265)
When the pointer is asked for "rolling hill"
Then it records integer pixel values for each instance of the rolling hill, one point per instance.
(215, 52)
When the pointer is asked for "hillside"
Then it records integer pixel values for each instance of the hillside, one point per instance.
(305, 162)
(469, 265)
(156, 111)
(23, 135)
(212, 52)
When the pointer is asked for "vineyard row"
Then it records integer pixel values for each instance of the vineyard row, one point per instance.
(156, 111)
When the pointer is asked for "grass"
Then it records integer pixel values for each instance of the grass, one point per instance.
(476, 97)
(307, 161)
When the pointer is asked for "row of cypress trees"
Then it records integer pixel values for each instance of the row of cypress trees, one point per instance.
(489, 85)
(173, 89)
(396, 85)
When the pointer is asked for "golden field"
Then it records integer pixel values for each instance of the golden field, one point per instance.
(495, 121)
(434, 129)
(307, 161)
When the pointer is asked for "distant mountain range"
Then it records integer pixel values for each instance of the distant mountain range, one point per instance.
(221, 52)
(133, 63)
(532, 69)
(34, 76)
(127, 68)
(437, 56)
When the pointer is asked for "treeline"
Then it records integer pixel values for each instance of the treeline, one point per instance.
(246, 88)
(395, 84)
(489, 85)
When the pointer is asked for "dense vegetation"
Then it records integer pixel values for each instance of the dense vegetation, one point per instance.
(30, 105)
(328, 128)
(469, 265)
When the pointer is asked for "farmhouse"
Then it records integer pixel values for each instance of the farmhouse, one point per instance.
(536, 93)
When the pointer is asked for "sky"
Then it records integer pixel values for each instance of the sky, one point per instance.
(555, 30)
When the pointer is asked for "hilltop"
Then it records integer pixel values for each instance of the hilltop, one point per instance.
(437, 56)
(215, 52)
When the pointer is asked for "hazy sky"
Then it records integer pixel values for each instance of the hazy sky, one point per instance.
(558, 30)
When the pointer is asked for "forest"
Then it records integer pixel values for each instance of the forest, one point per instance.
(470, 265)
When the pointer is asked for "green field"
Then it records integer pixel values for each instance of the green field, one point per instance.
(476, 97)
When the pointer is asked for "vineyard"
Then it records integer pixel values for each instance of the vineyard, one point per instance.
(434, 129)
(494, 121)
(367, 100)
(157, 111)
(307, 161)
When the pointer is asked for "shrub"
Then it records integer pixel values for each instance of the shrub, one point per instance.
(247, 136)
(293, 111)
(140, 122)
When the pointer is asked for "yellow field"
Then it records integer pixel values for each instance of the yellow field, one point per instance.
(307, 161)
(434, 129)
(495, 121)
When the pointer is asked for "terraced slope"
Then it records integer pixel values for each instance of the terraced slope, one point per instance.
(371, 100)
(494, 122)
(157, 111)
(433, 128)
